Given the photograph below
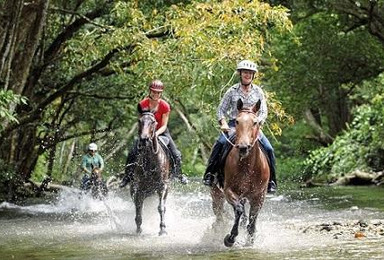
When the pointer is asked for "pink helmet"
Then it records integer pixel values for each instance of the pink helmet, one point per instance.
(156, 85)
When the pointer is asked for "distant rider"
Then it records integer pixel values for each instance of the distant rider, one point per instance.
(92, 165)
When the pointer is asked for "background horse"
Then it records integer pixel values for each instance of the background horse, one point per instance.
(152, 169)
(95, 184)
(246, 174)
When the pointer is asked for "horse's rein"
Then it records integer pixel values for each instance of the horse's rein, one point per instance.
(226, 138)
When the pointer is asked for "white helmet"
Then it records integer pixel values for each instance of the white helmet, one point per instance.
(247, 65)
(92, 147)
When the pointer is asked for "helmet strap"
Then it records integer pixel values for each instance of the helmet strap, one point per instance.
(246, 85)
(150, 97)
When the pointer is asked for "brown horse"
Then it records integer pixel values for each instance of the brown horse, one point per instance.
(246, 175)
(152, 171)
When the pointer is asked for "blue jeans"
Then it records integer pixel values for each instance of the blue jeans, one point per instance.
(271, 155)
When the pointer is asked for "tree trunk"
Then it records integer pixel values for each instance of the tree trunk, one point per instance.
(31, 26)
(321, 135)
(339, 115)
(191, 128)
(26, 152)
(69, 157)
(9, 26)
(21, 33)
(51, 160)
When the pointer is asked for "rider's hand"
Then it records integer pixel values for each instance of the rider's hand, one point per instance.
(224, 126)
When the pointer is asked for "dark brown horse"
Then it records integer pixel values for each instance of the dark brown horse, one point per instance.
(246, 175)
(152, 171)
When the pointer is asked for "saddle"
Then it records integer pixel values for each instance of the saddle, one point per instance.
(164, 141)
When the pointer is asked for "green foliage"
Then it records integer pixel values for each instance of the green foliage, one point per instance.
(291, 149)
(318, 58)
(192, 46)
(7, 172)
(360, 147)
(9, 99)
(195, 58)
(320, 65)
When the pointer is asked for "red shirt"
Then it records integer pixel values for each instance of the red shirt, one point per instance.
(162, 109)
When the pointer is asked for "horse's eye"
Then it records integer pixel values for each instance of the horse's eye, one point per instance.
(237, 122)
(254, 123)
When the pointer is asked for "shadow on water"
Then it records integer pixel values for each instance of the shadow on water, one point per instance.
(290, 226)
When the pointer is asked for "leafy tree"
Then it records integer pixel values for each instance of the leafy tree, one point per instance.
(83, 65)
(333, 47)
(360, 146)
(318, 67)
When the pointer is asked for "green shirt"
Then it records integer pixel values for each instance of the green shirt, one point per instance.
(90, 162)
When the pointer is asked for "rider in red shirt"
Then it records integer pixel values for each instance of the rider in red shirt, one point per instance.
(161, 109)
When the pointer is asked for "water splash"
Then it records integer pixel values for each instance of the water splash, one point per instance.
(79, 222)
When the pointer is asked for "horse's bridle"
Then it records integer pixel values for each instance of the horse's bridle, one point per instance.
(242, 111)
(153, 126)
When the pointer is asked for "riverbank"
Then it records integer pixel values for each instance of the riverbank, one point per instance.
(351, 229)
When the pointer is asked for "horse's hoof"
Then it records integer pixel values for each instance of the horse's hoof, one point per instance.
(139, 230)
(162, 233)
(250, 242)
(228, 241)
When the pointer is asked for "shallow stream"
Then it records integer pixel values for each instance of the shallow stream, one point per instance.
(317, 223)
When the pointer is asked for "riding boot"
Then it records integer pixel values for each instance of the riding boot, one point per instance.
(214, 159)
(272, 185)
(178, 171)
(129, 167)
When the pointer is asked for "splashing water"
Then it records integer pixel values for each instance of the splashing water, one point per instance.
(76, 224)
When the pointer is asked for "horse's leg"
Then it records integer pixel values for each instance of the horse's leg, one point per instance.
(253, 213)
(161, 208)
(217, 204)
(238, 207)
(139, 201)
(244, 217)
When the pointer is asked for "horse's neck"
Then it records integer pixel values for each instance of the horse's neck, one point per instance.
(149, 154)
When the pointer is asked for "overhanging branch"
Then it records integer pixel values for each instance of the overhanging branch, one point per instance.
(36, 113)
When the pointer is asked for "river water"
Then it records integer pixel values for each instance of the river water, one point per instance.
(290, 226)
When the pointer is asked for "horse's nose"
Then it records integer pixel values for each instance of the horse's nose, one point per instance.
(144, 141)
(243, 149)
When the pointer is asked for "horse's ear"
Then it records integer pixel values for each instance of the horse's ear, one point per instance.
(239, 104)
(256, 107)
